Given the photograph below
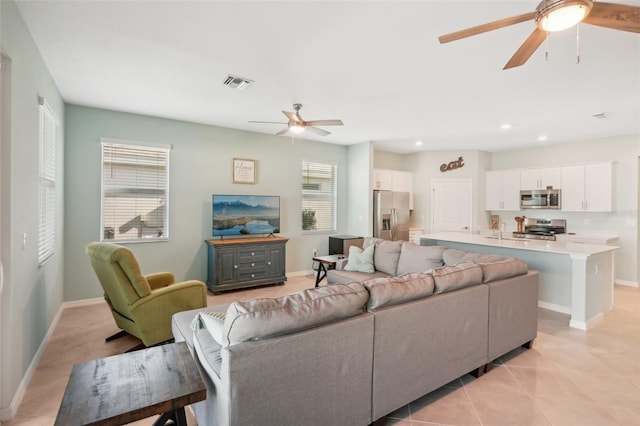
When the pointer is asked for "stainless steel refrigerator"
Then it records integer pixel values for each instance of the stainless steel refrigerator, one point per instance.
(391, 215)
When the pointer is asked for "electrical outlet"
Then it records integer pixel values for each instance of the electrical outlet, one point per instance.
(315, 252)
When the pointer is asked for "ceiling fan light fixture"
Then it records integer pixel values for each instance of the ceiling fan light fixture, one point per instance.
(296, 127)
(558, 15)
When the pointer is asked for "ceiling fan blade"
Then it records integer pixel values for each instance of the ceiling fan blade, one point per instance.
(283, 131)
(267, 122)
(291, 116)
(486, 27)
(324, 123)
(317, 131)
(615, 16)
(526, 49)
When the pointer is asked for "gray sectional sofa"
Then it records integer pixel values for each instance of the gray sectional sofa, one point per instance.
(350, 353)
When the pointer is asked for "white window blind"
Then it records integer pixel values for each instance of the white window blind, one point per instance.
(135, 192)
(47, 182)
(319, 183)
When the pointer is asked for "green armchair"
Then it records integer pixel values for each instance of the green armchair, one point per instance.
(142, 305)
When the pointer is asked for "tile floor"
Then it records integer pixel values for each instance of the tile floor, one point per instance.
(570, 377)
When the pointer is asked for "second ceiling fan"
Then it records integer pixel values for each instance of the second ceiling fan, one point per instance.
(557, 15)
(297, 125)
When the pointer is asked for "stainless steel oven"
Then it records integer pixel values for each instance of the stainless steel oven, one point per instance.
(540, 199)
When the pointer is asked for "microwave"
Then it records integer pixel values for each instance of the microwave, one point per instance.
(540, 199)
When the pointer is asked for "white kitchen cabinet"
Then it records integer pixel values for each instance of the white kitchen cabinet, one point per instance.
(502, 190)
(587, 188)
(383, 179)
(541, 178)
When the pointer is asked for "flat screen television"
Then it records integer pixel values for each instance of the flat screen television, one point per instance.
(243, 215)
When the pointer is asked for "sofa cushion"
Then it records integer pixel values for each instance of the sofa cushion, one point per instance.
(209, 351)
(368, 241)
(396, 290)
(415, 258)
(453, 257)
(503, 269)
(345, 277)
(449, 278)
(262, 318)
(360, 260)
(386, 256)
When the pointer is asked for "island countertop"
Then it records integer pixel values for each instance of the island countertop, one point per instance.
(563, 247)
(575, 278)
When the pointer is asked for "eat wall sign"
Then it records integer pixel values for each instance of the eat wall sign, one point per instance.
(452, 165)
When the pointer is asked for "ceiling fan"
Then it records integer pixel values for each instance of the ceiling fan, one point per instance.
(558, 15)
(297, 125)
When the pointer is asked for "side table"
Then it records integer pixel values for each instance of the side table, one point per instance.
(324, 264)
(124, 388)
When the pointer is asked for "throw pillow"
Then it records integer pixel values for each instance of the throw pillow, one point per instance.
(415, 258)
(386, 256)
(360, 260)
(212, 321)
(449, 278)
(396, 290)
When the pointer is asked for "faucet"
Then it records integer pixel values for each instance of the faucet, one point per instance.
(501, 229)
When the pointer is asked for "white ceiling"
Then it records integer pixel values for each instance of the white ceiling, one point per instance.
(378, 66)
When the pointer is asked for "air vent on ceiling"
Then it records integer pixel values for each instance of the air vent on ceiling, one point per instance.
(238, 83)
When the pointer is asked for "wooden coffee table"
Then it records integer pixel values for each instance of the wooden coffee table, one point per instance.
(124, 388)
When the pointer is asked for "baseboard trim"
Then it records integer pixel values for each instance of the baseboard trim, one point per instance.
(554, 307)
(10, 412)
(581, 325)
(627, 283)
(83, 302)
(301, 273)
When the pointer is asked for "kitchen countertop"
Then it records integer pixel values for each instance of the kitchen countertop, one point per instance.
(562, 247)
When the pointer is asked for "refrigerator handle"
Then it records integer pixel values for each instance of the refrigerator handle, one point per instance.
(394, 222)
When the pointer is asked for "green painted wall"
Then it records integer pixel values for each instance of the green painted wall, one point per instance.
(200, 166)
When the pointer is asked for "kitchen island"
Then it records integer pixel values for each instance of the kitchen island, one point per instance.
(575, 278)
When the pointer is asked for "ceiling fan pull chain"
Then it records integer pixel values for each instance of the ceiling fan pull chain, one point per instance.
(546, 46)
(578, 43)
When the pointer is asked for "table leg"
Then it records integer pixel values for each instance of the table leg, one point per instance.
(177, 417)
(322, 272)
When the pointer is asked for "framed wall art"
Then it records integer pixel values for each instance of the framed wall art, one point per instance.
(244, 170)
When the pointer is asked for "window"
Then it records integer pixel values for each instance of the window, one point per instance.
(135, 191)
(319, 183)
(47, 182)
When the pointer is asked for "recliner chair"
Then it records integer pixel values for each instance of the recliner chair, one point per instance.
(142, 305)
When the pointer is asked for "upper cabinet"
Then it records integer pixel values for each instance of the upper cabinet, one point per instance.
(587, 188)
(394, 180)
(502, 190)
(383, 179)
(541, 178)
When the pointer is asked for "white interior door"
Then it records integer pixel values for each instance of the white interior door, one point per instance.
(451, 202)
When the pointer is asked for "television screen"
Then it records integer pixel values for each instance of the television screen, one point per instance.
(245, 214)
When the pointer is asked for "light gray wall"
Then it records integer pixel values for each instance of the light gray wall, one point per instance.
(360, 219)
(200, 166)
(426, 167)
(390, 160)
(623, 151)
(32, 295)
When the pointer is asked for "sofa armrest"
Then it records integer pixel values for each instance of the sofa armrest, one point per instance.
(341, 263)
(160, 279)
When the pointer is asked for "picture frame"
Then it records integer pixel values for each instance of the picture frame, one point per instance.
(244, 170)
